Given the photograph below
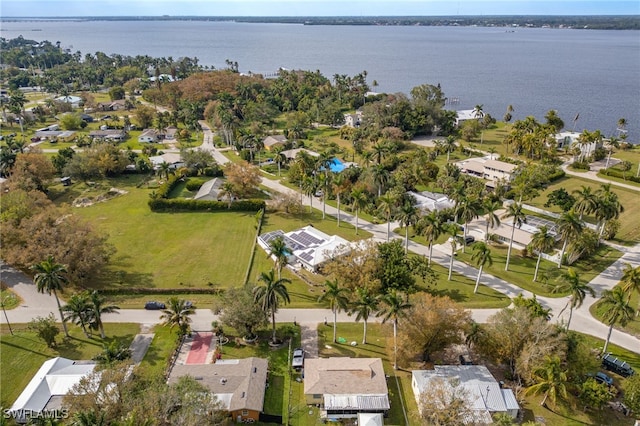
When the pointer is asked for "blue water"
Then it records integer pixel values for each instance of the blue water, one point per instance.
(336, 165)
(589, 72)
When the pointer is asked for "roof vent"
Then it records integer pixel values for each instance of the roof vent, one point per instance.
(198, 378)
(223, 381)
(243, 394)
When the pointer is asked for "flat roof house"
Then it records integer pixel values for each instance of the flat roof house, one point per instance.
(485, 393)
(488, 168)
(48, 386)
(345, 387)
(239, 384)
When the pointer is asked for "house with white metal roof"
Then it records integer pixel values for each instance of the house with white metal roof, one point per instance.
(48, 386)
(345, 387)
(485, 393)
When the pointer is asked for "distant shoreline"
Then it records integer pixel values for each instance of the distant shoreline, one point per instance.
(602, 22)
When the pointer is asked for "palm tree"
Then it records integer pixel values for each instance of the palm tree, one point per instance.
(78, 311)
(432, 226)
(569, 228)
(551, 379)
(386, 206)
(454, 240)
(518, 216)
(270, 295)
(478, 111)
(309, 187)
(608, 206)
(630, 280)
(164, 169)
(617, 310)
(491, 218)
(577, 292)
(335, 296)
(358, 201)
(394, 308)
(278, 249)
(324, 183)
(408, 215)
(178, 313)
(481, 255)
(228, 190)
(363, 306)
(340, 185)
(468, 210)
(586, 200)
(542, 241)
(49, 278)
(98, 307)
(449, 144)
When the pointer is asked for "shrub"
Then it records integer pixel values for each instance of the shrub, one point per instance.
(580, 165)
(194, 184)
(46, 329)
(619, 174)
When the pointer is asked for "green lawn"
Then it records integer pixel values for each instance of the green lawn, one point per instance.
(162, 346)
(633, 327)
(22, 354)
(629, 231)
(521, 269)
(9, 298)
(167, 250)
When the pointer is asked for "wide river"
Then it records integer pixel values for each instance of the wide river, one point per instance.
(595, 74)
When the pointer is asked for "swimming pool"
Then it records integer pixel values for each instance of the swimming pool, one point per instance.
(336, 165)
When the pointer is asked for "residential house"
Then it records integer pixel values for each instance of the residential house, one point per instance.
(309, 247)
(272, 141)
(485, 393)
(49, 385)
(488, 168)
(117, 135)
(174, 160)
(345, 387)
(291, 154)
(75, 101)
(566, 140)
(170, 133)
(150, 136)
(432, 201)
(210, 190)
(465, 115)
(56, 135)
(117, 105)
(353, 120)
(239, 384)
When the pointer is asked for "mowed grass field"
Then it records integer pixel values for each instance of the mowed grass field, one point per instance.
(170, 250)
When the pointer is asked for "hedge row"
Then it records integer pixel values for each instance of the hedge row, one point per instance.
(557, 174)
(619, 174)
(152, 291)
(185, 204)
(165, 189)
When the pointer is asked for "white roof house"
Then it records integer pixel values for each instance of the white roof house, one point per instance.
(54, 379)
(73, 100)
(172, 159)
(432, 201)
(291, 154)
(485, 393)
(569, 139)
(465, 115)
(370, 419)
(309, 246)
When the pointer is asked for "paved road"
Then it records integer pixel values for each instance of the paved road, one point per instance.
(39, 305)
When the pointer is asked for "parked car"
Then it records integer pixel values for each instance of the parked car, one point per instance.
(603, 378)
(619, 366)
(468, 240)
(189, 304)
(298, 359)
(154, 306)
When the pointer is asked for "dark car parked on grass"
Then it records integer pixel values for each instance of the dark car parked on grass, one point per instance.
(154, 306)
(617, 365)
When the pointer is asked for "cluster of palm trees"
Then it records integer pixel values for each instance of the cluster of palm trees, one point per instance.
(84, 309)
(390, 306)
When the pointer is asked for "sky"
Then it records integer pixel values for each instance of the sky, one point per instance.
(62, 8)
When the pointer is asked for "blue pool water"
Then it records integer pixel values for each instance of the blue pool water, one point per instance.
(336, 165)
